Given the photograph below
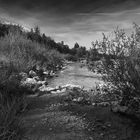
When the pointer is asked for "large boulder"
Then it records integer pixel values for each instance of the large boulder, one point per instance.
(29, 81)
(32, 73)
(32, 83)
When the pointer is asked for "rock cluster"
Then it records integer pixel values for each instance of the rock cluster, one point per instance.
(36, 80)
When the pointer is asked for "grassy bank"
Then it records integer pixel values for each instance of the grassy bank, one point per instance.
(19, 54)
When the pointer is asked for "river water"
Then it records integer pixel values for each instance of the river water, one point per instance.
(76, 75)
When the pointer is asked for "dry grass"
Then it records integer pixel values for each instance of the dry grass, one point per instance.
(18, 54)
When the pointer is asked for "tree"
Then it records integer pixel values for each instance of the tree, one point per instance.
(37, 30)
(76, 45)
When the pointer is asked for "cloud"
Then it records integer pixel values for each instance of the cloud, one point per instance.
(72, 20)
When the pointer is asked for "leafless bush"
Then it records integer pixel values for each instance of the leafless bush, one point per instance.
(120, 62)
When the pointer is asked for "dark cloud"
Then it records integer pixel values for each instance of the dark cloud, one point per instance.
(72, 19)
(63, 7)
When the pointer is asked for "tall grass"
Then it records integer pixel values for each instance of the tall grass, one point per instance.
(19, 54)
(24, 54)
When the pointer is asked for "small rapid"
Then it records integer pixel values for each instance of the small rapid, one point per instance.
(76, 75)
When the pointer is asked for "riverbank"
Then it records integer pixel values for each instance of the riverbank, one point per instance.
(70, 112)
(70, 75)
(19, 56)
(54, 117)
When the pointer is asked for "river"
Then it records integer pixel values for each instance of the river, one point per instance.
(76, 75)
(51, 117)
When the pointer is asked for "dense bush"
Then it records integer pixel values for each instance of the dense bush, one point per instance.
(119, 63)
(12, 103)
(19, 54)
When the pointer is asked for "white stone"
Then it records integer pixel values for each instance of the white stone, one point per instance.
(63, 90)
(71, 86)
(32, 73)
(80, 99)
(104, 104)
(41, 82)
(93, 104)
(46, 72)
(29, 81)
(36, 78)
(45, 88)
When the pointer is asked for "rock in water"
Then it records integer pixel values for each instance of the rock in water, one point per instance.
(29, 81)
(32, 73)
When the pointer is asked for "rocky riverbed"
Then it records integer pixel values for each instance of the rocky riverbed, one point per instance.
(70, 111)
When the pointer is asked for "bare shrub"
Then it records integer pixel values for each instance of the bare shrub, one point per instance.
(120, 62)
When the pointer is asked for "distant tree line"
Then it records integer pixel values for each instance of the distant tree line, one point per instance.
(35, 35)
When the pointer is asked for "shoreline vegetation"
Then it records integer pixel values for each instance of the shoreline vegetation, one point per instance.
(29, 59)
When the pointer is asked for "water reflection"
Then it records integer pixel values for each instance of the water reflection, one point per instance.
(76, 75)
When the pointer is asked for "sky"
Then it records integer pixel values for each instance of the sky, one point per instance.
(71, 21)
